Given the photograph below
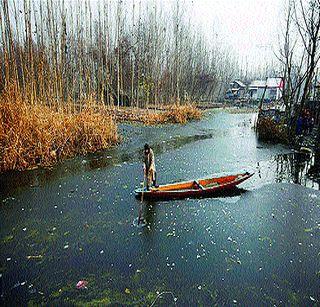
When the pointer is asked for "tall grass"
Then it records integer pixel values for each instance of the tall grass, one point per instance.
(62, 63)
(33, 134)
(178, 114)
(270, 131)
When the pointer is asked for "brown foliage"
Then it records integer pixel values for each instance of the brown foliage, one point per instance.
(36, 134)
(269, 130)
(176, 114)
(33, 135)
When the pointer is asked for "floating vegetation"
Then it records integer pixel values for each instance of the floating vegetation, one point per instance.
(35, 257)
(95, 302)
(266, 239)
(312, 229)
(7, 239)
(230, 261)
(176, 114)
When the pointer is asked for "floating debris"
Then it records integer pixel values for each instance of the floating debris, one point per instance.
(171, 234)
(35, 257)
(82, 284)
(8, 238)
(8, 199)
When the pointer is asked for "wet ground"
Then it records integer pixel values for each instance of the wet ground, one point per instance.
(75, 222)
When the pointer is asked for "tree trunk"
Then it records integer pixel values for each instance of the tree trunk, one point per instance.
(317, 150)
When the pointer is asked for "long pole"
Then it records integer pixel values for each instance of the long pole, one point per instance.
(140, 208)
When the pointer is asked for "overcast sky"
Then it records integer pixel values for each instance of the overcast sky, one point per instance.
(251, 27)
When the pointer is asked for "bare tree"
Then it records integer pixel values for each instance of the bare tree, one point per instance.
(307, 19)
(56, 54)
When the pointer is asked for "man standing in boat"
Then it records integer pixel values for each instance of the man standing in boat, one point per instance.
(149, 166)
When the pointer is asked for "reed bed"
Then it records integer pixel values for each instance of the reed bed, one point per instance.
(33, 135)
(179, 114)
(269, 130)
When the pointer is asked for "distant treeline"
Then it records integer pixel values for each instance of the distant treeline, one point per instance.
(119, 52)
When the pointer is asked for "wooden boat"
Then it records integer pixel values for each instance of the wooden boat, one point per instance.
(194, 188)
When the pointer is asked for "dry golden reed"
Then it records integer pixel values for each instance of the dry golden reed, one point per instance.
(269, 130)
(32, 135)
(176, 114)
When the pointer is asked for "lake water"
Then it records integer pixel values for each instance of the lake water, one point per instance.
(75, 222)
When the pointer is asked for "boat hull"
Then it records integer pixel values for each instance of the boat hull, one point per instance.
(226, 187)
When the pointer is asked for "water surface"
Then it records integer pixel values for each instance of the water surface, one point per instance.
(75, 222)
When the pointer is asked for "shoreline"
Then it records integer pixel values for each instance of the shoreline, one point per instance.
(34, 136)
(104, 117)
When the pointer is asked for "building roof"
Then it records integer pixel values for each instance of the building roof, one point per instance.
(257, 83)
(241, 84)
(271, 82)
(274, 82)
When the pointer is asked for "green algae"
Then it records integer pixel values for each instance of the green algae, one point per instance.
(293, 298)
(266, 239)
(7, 238)
(95, 302)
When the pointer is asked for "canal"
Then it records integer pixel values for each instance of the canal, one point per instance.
(75, 221)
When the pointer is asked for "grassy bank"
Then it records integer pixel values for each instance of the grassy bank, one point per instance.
(270, 131)
(34, 135)
(173, 114)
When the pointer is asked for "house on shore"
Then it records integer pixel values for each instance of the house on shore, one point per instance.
(272, 87)
(237, 90)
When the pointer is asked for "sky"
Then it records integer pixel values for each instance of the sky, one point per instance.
(250, 27)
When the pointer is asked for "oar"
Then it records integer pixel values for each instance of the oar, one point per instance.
(140, 209)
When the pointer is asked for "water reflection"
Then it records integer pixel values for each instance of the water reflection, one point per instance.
(150, 210)
(294, 168)
(95, 161)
